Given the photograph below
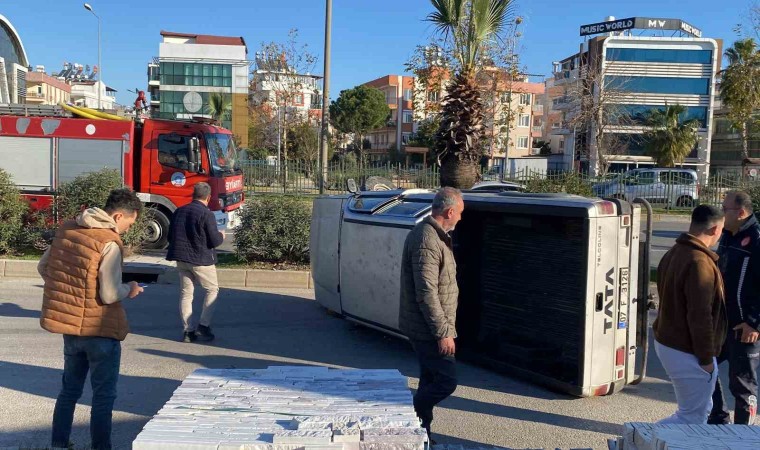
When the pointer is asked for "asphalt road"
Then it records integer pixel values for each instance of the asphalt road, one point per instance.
(258, 329)
(664, 235)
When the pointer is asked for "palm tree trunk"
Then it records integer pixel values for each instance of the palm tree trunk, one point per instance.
(460, 174)
(745, 142)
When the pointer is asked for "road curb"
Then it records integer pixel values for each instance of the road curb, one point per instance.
(228, 278)
(671, 218)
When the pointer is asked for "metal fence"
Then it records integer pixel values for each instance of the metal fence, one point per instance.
(668, 190)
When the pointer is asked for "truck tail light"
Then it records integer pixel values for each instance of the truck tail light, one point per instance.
(605, 208)
(601, 390)
(620, 356)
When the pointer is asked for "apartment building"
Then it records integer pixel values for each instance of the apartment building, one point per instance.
(190, 67)
(13, 64)
(399, 95)
(666, 62)
(287, 92)
(43, 89)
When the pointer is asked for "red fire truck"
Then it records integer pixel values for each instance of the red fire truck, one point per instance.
(160, 159)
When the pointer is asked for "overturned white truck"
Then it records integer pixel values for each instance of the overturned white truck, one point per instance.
(553, 287)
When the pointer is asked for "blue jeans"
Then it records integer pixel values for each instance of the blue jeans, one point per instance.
(101, 358)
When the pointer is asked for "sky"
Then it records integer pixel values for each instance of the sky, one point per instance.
(370, 39)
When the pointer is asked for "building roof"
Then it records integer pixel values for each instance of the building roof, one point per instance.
(208, 39)
(15, 40)
(39, 77)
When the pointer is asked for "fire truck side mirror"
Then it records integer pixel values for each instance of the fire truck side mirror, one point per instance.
(195, 155)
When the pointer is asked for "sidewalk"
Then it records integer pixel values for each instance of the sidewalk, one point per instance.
(153, 267)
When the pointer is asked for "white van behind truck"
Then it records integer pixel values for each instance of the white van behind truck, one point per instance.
(553, 287)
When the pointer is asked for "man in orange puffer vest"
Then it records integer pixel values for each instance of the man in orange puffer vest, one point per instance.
(83, 290)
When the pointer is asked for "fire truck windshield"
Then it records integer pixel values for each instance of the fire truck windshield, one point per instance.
(222, 152)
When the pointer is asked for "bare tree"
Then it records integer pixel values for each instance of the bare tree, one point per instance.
(283, 79)
(594, 105)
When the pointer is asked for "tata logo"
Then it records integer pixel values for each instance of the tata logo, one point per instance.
(231, 185)
(609, 293)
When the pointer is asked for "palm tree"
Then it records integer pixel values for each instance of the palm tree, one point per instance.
(670, 140)
(219, 106)
(740, 87)
(468, 26)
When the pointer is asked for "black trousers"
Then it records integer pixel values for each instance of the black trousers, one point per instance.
(438, 379)
(743, 361)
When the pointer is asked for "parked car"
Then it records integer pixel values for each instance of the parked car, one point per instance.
(661, 186)
(498, 186)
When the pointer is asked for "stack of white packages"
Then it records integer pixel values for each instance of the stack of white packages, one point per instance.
(287, 408)
(650, 436)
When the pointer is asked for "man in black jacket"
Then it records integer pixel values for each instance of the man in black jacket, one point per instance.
(739, 251)
(193, 237)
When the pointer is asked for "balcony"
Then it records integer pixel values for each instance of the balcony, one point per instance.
(538, 110)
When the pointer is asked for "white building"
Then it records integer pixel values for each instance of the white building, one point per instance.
(13, 64)
(276, 84)
(646, 73)
(85, 93)
(190, 67)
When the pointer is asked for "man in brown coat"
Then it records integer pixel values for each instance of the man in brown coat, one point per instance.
(691, 322)
(429, 297)
(81, 301)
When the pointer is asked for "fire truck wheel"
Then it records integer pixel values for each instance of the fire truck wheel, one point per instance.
(158, 230)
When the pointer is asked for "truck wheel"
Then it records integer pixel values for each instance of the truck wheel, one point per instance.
(157, 235)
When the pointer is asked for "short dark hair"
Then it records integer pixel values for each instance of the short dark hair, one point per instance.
(201, 191)
(742, 200)
(704, 217)
(124, 200)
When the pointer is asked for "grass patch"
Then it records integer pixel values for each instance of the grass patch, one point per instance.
(673, 212)
(231, 261)
(31, 256)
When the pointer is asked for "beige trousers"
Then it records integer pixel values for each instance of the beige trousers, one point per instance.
(206, 277)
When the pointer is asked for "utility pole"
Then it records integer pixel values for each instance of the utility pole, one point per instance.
(323, 144)
(100, 64)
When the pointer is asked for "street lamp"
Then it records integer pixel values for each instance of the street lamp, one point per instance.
(100, 64)
(323, 144)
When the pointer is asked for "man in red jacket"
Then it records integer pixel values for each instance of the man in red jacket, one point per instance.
(691, 322)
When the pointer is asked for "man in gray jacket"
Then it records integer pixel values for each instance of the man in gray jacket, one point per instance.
(429, 297)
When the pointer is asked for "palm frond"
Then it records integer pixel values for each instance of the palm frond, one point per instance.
(447, 16)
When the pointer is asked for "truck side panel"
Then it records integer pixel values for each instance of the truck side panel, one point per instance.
(80, 156)
(29, 160)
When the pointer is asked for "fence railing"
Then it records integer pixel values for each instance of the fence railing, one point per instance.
(674, 191)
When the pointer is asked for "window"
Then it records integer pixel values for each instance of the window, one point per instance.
(406, 209)
(173, 150)
(298, 100)
(524, 120)
(408, 117)
(506, 97)
(433, 96)
(366, 204)
(405, 138)
(638, 114)
(639, 178)
(192, 74)
(172, 106)
(39, 89)
(678, 177)
(390, 96)
(556, 125)
(522, 142)
(407, 94)
(659, 85)
(525, 99)
(660, 55)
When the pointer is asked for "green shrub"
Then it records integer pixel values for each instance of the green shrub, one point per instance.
(569, 183)
(12, 211)
(85, 191)
(274, 229)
